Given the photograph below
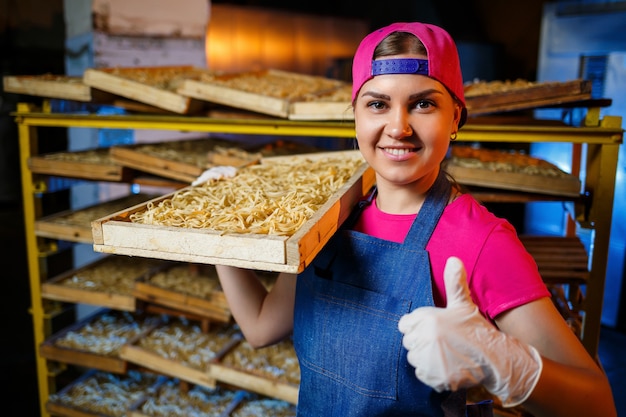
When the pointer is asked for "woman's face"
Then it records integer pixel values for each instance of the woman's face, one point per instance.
(403, 126)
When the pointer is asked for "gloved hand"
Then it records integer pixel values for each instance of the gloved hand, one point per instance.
(456, 347)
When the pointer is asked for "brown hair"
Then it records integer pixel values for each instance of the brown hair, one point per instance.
(400, 43)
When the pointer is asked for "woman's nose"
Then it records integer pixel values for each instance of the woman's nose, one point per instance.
(399, 126)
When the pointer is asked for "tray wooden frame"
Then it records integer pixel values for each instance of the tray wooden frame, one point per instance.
(256, 102)
(55, 86)
(537, 95)
(112, 80)
(53, 289)
(116, 234)
(215, 307)
(61, 226)
(79, 168)
(108, 363)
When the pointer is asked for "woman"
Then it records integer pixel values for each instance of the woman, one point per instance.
(385, 320)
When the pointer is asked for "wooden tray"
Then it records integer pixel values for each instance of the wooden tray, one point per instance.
(105, 354)
(75, 225)
(191, 289)
(107, 282)
(268, 92)
(176, 398)
(332, 105)
(99, 394)
(182, 160)
(55, 86)
(524, 96)
(95, 165)
(560, 259)
(186, 160)
(155, 86)
(258, 374)
(117, 234)
(500, 169)
(169, 362)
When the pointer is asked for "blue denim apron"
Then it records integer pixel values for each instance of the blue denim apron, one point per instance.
(348, 304)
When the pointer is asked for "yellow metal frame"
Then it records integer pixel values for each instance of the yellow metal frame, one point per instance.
(602, 137)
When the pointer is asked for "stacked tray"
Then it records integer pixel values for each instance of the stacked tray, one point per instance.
(102, 394)
(504, 96)
(94, 165)
(275, 93)
(182, 350)
(108, 282)
(154, 86)
(96, 341)
(189, 289)
(75, 225)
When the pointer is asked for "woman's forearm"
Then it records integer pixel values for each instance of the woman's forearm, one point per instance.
(264, 317)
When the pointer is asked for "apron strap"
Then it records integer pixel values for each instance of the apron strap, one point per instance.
(426, 220)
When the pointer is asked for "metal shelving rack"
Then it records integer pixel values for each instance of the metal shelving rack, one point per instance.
(601, 136)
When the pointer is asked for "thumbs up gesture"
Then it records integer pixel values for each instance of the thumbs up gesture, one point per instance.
(456, 347)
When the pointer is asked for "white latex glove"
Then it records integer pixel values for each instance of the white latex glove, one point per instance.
(215, 173)
(456, 347)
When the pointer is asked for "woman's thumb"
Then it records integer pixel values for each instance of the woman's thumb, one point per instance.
(455, 278)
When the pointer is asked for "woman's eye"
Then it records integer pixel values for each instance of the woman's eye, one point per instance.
(422, 104)
(377, 105)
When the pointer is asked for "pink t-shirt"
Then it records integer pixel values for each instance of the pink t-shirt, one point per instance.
(501, 273)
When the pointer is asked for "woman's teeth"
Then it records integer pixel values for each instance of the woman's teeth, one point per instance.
(395, 151)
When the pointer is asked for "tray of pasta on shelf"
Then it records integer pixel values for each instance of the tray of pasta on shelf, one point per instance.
(484, 97)
(273, 370)
(93, 164)
(155, 87)
(509, 170)
(192, 289)
(107, 282)
(186, 160)
(96, 341)
(272, 216)
(182, 348)
(75, 225)
(55, 86)
(217, 355)
(171, 397)
(275, 93)
(102, 394)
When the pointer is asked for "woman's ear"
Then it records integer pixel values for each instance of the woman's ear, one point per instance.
(458, 111)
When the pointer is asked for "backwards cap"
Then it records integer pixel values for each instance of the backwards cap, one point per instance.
(442, 64)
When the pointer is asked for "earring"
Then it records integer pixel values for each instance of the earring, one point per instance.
(453, 137)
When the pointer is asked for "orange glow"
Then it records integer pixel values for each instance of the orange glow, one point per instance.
(249, 39)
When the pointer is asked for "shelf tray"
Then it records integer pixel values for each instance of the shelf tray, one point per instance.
(55, 86)
(257, 91)
(99, 394)
(510, 171)
(96, 331)
(75, 225)
(107, 282)
(95, 165)
(173, 287)
(527, 96)
(116, 234)
(333, 105)
(155, 86)
(167, 359)
(253, 376)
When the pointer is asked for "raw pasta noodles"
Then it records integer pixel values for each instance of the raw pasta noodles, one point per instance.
(272, 198)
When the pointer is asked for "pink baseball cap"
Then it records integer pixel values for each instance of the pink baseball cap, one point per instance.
(442, 64)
